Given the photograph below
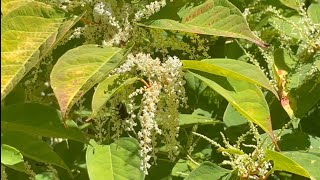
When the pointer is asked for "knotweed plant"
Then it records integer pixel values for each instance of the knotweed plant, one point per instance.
(104, 77)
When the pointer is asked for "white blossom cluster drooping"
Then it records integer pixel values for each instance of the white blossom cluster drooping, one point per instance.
(162, 95)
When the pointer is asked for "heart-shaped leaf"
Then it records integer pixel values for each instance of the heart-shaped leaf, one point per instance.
(79, 69)
(213, 17)
(119, 160)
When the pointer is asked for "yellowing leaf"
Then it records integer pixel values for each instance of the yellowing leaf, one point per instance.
(80, 69)
(9, 5)
(28, 33)
(245, 97)
(213, 17)
(231, 68)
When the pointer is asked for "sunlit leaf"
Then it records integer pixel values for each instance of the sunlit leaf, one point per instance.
(213, 17)
(300, 163)
(247, 98)
(120, 160)
(46, 176)
(80, 69)
(9, 5)
(318, 64)
(314, 12)
(181, 169)
(231, 68)
(294, 4)
(286, 27)
(10, 155)
(37, 119)
(28, 33)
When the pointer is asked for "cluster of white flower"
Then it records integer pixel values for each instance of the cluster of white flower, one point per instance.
(76, 33)
(150, 9)
(162, 94)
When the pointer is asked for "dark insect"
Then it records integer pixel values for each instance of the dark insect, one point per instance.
(123, 113)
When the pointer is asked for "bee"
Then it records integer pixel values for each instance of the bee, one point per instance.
(122, 109)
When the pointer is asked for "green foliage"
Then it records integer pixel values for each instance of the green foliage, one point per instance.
(119, 160)
(97, 90)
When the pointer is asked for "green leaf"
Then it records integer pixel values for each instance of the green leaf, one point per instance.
(28, 33)
(314, 12)
(79, 69)
(247, 98)
(294, 4)
(10, 155)
(317, 62)
(300, 163)
(46, 176)
(231, 68)
(283, 60)
(286, 27)
(37, 119)
(120, 160)
(181, 169)
(308, 161)
(208, 170)
(213, 17)
(298, 78)
(192, 119)
(232, 117)
(33, 147)
(19, 167)
(305, 97)
(199, 117)
(106, 89)
(194, 84)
